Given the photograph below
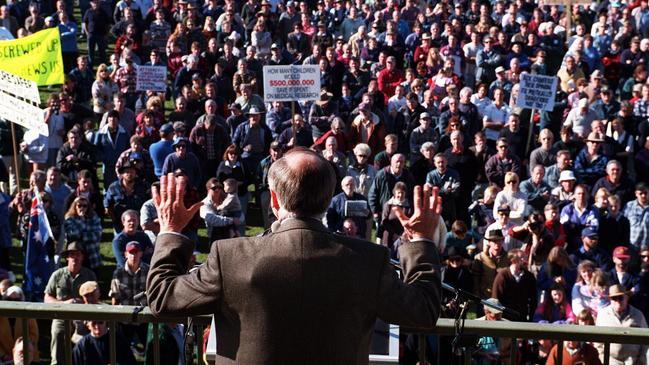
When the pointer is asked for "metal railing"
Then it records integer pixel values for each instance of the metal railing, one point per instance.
(130, 314)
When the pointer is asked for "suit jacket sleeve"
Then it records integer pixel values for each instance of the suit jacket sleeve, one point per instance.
(415, 301)
(173, 291)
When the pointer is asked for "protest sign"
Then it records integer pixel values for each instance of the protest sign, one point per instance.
(36, 57)
(293, 82)
(537, 92)
(151, 78)
(19, 99)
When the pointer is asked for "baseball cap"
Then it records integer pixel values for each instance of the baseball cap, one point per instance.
(589, 232)
(167, 128)
(621, 252)
(133, 246)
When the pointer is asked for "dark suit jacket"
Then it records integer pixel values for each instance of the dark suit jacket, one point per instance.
(298, 295)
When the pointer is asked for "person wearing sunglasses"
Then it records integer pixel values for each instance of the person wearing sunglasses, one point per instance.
(501, 163)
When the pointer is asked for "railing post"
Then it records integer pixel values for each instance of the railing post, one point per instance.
(607, 352)
(513, 351)
(26, 339)
(112, 341)
(156, 344)
(559, 352)
(199, 343)
(67, 341)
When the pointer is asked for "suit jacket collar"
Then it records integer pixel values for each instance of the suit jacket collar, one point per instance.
(289, 224)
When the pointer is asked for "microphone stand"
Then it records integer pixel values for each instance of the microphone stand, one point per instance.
(461, 342)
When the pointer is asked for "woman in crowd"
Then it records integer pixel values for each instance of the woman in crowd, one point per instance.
(591, 290)
(555, 308)
(512, 196)
(84, 226)
(102, 91)
(232, 168)
(558, 269)
(390, 228)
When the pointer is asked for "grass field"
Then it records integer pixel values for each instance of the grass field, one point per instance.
(105, 272)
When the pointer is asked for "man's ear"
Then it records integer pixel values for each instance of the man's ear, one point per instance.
(274, 203)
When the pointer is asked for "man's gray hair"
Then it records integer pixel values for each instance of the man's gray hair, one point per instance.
(130, 212)
(304, 187)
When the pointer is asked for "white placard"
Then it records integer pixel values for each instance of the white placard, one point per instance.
(151, 78)
(20, 87)
(293, 82)
(537, 92)
(21, 112)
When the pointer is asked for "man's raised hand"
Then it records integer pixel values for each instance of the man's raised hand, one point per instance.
(425, 218)
(173, 216)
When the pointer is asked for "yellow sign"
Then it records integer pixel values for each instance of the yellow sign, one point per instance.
(36, 57)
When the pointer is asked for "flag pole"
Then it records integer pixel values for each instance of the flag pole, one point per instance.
(16, 170)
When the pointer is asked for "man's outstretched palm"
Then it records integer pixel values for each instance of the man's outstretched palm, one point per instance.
(173, 216)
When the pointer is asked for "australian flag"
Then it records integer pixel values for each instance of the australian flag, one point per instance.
(38, 266)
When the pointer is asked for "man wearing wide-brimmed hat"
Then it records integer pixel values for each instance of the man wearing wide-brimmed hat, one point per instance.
(63, 287)
(590, 163)
(486, 263)
(621, 314)
(253, 139)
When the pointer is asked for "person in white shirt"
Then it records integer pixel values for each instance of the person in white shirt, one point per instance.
(495, 116)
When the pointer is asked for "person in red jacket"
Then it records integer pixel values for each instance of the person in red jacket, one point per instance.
(389, 78)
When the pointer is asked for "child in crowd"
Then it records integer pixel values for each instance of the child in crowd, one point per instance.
(481, 210)
(231, 206)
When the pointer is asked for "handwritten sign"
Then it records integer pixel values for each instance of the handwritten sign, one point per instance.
(151, 78)
(537, 92)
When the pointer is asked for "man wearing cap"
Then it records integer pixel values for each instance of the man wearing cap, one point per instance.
(485, 263)
(590, 251)
(580, 117)
(621, 314)
(590, 164)
(606, 107)
(492, 349)
(139, 157)
(128, 281)
(161, 149)
(637, 212)
(320, 114)
(422, 134)
(185, 160)
(63, 287)
(620, 273)
(501, 82)
(253, 139)
(126, 193)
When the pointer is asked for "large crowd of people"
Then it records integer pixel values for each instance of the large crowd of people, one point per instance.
(545, 212)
